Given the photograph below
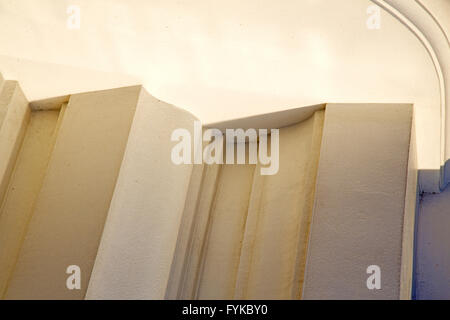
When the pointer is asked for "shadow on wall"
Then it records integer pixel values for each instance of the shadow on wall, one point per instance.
(432, 252)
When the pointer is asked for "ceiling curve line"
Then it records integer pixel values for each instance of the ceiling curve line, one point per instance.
(419, 2)
(401, 17)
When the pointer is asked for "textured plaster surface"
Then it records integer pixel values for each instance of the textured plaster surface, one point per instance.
(360, 201)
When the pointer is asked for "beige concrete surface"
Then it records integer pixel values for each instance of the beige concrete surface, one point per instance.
(410, 222)
(203, 232)
(277, 244)
(244, 235)
(225, 233)
(139, 238)
(73, 202)
(230, 60)
(14, 116)
(359, 210)
(23, 189)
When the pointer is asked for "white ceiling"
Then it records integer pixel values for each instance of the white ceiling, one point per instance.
(222, 60)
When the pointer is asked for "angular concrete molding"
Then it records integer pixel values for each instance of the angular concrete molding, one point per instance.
(377, 227)
(411, 212)
(254, 228)
(25, 182)
(89, 181)
(1, 81)
(60, 192)
(420, 21)
(273, 120)
(141, 228)
(14, 116)
(49, 104)
(365, 204)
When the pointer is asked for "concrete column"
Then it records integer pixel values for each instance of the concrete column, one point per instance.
(359, 216)
(72, 201)
(14, 116)
(252, 227)
(139, 238)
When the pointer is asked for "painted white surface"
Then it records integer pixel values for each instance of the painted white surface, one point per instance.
(72, 203)
(252, 228)
(421, 21)
(26, 180)
(227, 60)
(360, 201)
(140, 233)
(14, 116)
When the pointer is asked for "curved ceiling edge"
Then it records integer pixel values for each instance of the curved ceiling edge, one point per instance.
(434, 19)
(414, 16)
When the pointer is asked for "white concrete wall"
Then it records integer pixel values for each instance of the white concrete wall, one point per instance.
(14, 116)
(139, 238)
(252, 227)
(58, 218)
(228, 61)
(68, 214)
(23, 189)
(358, 217)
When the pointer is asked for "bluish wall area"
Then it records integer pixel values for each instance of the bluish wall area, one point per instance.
(432, 261)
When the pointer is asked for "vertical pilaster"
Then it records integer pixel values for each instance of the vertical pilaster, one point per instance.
(358, 217)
